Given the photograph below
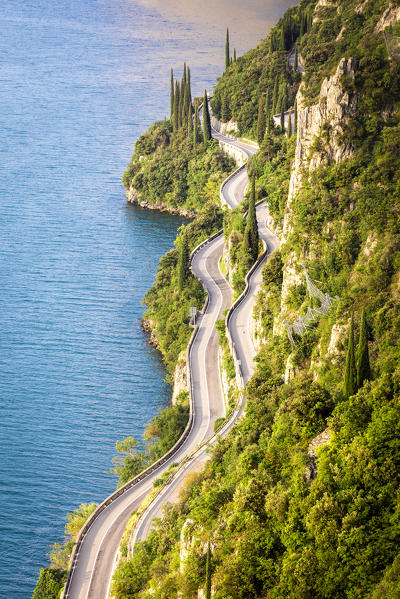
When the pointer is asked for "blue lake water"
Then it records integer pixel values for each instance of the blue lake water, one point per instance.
(76, 370)
(79, 81)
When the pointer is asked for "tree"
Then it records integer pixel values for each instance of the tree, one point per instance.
(208, 573)
(350, 374)
(195, 127)
(224, 109)
(289, 128)
(172, 96)
(206, 120)
(267, 115)
(190, 127)
(234, 55)
(296, 59)
(363, 365)
(251, 230)
(49, 584)
(295, 117)
(283, 118)
(176, 107)
(261, 121)
(275, 96)
(227, 53)
(130, 461)
(183, 261)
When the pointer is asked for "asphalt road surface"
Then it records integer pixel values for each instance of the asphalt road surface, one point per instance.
(93, 570)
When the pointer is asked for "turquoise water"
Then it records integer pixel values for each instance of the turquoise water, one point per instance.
(80, 80)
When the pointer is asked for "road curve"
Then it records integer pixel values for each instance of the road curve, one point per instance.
(238, 324)
(93, 568)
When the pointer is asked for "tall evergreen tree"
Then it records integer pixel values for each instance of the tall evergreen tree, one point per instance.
(251, 230)
(224, 109)
(283, 118)
(190, 128)
(208, 573)
(183, 261)
(363, 365)
(267, 115)
(195, 127)
(296, 59)
(172, 96)
(289, 128)
(261, 121)
(206, 120)
(227, 52)
(234, 55)
(189, 89)
(176, 106)
(350, 373)
(275, 97)
(295, 117)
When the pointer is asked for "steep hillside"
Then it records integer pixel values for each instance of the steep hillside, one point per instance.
(302, 499)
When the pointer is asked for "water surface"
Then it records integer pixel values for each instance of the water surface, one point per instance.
(79, 81)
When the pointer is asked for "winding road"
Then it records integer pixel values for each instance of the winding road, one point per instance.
(94, 561)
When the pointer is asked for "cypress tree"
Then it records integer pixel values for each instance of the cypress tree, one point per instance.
(363, 365)
(224, 109)
(251, 230)
(208, 573)
(296, 59)
(183, 261)
(206, 120)
(289, 128)
(227, 53)
(176, 106)
(189, 90)
(267, 115)
(185, 105)
(172, 96)
(234, 55)
(261, 121)
(190, 128)
(295, 117)
(283, 118)
(350, 374)
(195, 127)
(275, 97)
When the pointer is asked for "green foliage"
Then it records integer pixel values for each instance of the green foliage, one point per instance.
(350, 372)
(286, 524)
(206, 120)
(183, 271)
(208, 572)
(49, 584)
(227, 52)
(363, 365)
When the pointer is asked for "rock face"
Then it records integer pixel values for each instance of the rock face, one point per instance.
(134, 198)
(389, 18)
(320, 140)
(223, 128)
(181, 382)
(331, 112)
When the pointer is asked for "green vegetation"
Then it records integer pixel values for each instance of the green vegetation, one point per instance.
(350, 373)
(286, 524)
(206, 120)
(227, 52)
(49, 584)
(161, 434)
(51, 580)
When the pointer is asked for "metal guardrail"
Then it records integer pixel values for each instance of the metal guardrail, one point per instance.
(152, 468)
(236, 304)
